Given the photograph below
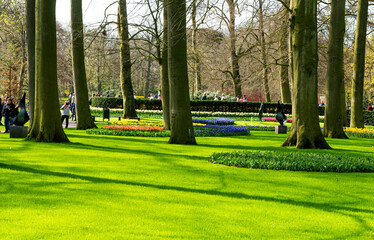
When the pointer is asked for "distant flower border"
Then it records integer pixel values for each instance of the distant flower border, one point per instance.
(295, 161)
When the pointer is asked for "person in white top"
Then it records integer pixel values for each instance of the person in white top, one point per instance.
(223, 97)
(65, 113)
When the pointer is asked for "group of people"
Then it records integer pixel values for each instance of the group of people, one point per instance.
(156, 96)
(6, 109)
(223, 98)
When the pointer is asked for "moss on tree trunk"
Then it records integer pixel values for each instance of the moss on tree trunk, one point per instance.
(182, 131)
(47, 125)
(30, 38)
(284, 62)
(84, 118)
(129, 109)
(357, 117)
(165, 92)
(333, 126)
(305, 131)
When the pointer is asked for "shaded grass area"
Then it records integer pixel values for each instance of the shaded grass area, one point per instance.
(109, 187)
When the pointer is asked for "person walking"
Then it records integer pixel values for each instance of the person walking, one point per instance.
(9, 107)
(65, 113)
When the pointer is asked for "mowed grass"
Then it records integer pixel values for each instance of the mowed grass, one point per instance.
(107, 187)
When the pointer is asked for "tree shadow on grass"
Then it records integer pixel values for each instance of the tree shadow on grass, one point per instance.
(319, 206)
(327, 207)
(135, 151)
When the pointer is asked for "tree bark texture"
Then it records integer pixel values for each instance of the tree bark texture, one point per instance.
(182, 131)
(265, 67)
(195, 51)
(234, 56)
(333, 126)
(357, 117)
(165, 92)
(284, 61)
(126, 83)
(47, 125)
(84, 118)
(30, 38)
(305, 131)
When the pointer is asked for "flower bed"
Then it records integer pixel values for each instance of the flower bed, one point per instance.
(295, 161)
(273, 119)
(263, 128)
(130, 130)
(138, 123)
(213, 121)
(360, 132)
(200, 130)
(220, 130)
(134, 128)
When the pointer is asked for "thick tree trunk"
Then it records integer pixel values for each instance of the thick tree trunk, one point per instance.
(333, 126)
(84, 118)
(165, 93)
(357, 117)
(126, 83)
(195, 52)
(284, 62)
(30, 38)
(47, 125)
(305, 131)
(234, 57)
(265, 68)
(182, 131)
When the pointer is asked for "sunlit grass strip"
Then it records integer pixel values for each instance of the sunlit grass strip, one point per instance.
(295, 161)
(360, 132)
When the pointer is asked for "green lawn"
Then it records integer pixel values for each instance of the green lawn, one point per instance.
(107, 187)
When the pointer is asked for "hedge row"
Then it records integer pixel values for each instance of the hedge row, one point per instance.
(368, 117)
(206, 106)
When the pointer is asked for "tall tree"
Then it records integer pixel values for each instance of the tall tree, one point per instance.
(357, 117)
(195, 52)
(126, 83)
(305, 130)
(84, 118)
(265, 67)
(46, 125)
(182, 131)
(333, 126)
(165, 92)
(284, 51)
(234, 56)
(30, 38)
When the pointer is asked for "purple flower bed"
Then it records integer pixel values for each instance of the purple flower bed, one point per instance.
(213, 121)
(219, 130)
(263, 128)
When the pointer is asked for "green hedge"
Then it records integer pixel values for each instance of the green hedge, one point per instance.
(205, 106)
(295, 161)
(368, 117)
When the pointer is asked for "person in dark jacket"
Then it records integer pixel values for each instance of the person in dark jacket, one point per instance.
(9, 107)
